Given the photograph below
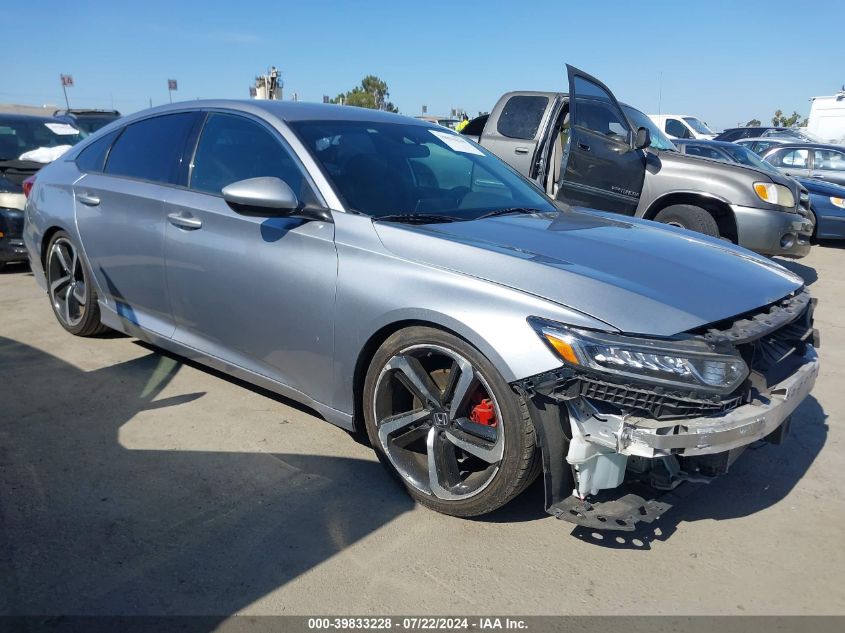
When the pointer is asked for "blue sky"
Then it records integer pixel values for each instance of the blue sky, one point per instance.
(723, 61)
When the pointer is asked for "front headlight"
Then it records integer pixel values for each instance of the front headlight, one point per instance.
(774, 194)
(677, 363)
(837, 202)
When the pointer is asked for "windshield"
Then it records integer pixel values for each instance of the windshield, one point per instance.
(90, 124)
(21, 137)
(382, 169)
(697, 125)
(795, 133)
(658, 139)
(744, 156)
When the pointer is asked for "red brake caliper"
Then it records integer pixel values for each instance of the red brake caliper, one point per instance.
(484, 413)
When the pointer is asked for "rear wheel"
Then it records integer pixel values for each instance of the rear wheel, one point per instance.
(689, 217)
(69, 286)
(445, 421)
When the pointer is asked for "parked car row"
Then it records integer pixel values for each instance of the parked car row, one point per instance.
(615, 158)
(27, 143)
(827, 199)
(443, 296)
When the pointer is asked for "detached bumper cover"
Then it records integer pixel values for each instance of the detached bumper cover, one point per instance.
(706, 435)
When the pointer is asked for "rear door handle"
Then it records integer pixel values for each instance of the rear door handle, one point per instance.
(584, 146)
(88, 200)
(521, 150)
(184, 221)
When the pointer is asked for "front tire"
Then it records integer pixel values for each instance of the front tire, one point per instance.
(71, 289)
(689, 217)
(443, 419)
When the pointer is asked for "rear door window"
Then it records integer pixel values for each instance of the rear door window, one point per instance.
(233, 148)
(521, 116)
(151, 149)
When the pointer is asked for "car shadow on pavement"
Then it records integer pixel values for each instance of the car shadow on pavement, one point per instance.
(90, 527)
(807, 273)
(762, 477)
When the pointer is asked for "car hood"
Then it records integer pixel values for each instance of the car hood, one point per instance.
(635, 275)
(822, 188)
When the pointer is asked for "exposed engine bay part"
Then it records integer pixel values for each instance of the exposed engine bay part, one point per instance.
(595, 440)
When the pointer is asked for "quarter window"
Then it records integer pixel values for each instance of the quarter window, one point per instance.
(233, 148)
(151, 149)
(521, 116)
(93, 157)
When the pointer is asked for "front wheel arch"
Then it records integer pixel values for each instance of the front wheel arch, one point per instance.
(717, 207)
(368, 351)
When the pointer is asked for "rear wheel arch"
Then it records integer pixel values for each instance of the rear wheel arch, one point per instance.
(45, 242)
(717, 207)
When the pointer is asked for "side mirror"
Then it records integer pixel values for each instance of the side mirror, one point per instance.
(265, 196)
(643, 138)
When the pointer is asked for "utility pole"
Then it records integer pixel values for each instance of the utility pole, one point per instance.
(659, 92)
(67, 80)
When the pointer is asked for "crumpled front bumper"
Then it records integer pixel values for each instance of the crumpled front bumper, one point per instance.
(587, 448)
(645, 437)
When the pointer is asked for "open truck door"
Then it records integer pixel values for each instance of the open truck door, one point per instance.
(603, 165)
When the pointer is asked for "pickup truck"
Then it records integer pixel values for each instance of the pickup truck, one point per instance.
(587, 149)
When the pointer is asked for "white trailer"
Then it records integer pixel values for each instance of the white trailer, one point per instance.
(827, 118)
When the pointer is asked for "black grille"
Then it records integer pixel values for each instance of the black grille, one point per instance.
(659, 405)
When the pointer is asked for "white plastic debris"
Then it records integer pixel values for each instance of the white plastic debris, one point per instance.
(45, 154)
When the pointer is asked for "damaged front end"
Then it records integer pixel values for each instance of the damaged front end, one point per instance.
(659, 413)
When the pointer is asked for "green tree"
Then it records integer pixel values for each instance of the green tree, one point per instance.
(781, 120)
(753, 123)
(372, 93)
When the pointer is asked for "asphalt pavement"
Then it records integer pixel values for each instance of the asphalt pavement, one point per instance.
(133, 482)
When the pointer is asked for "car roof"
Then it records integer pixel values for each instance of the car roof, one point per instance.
(696, 141)
(808, 145)
(755, 127)
(288, 111)
(13, 116)
(84, 111)
(780, 140)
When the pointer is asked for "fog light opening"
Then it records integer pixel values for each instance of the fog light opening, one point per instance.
(787, 241)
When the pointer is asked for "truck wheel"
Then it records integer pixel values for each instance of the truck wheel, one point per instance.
(689, 217)
(442, 418)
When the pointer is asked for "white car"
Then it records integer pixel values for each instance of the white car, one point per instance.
(682, 126)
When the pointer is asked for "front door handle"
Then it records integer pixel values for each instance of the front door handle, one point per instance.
(584, 146)
(521, 150)
(187, 222)
(88, 200)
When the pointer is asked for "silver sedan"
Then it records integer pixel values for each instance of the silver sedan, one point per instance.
(399, 279)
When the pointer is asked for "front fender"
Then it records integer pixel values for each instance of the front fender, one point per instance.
(376, 290)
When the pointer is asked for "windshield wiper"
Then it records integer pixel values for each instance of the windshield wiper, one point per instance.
(416, 218)
(511, 211)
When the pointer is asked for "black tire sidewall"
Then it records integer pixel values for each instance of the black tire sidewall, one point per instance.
(689, 217)
(510, 478)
